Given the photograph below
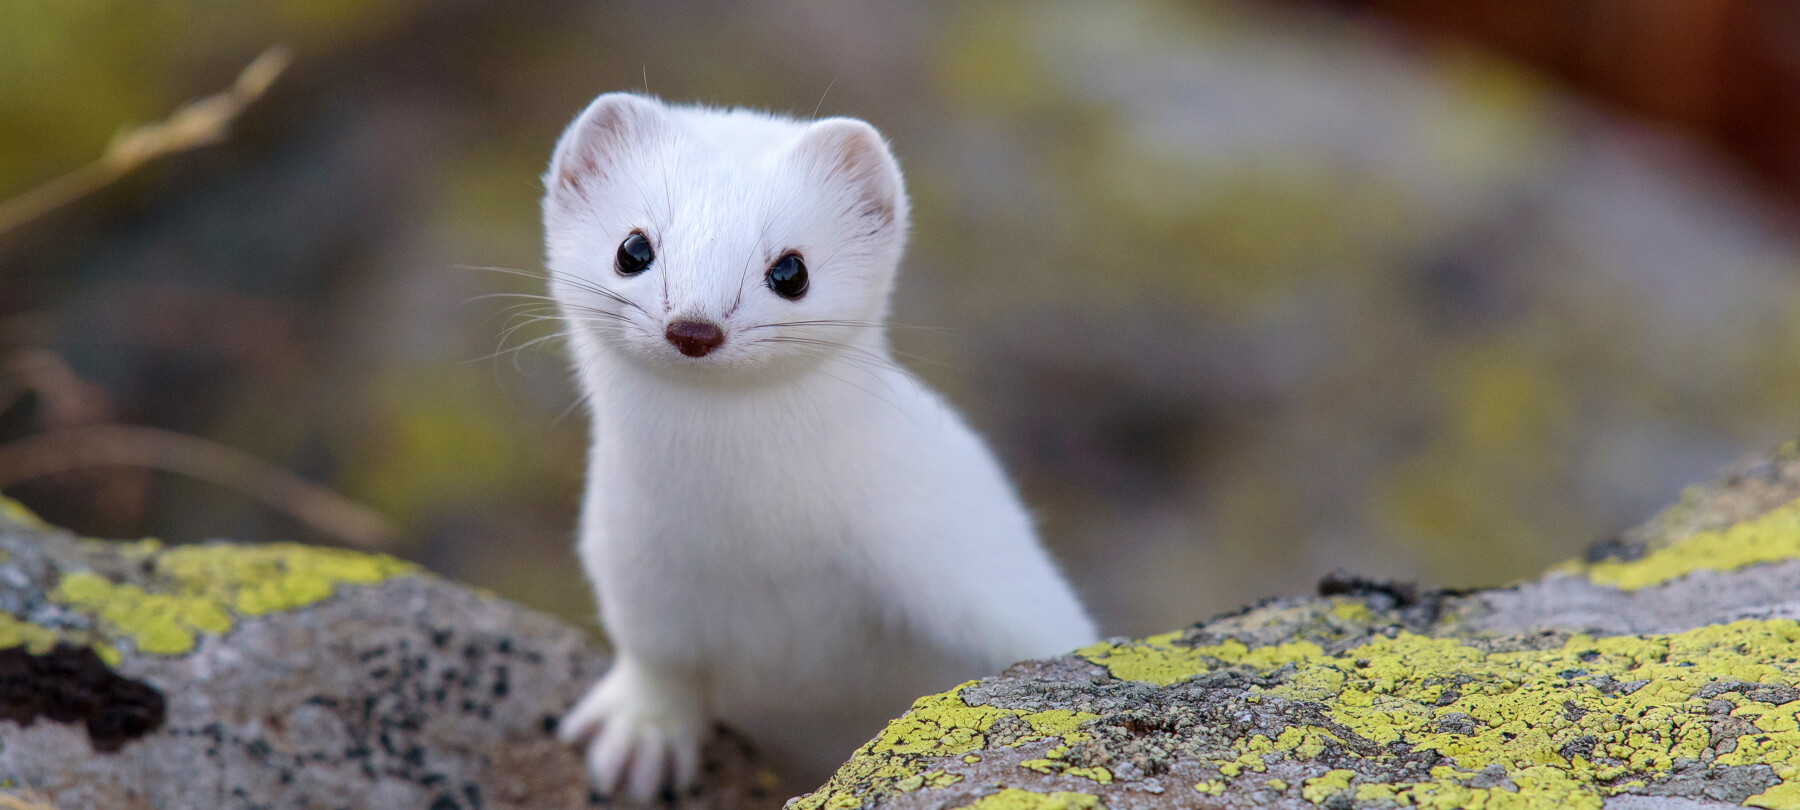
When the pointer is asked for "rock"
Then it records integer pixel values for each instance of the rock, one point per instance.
(1658, 672)
(283, 676)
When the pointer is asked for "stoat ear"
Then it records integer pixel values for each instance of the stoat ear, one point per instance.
(850, 153)
(599, 138)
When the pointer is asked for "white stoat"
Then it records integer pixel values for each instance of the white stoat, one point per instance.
(786, 531)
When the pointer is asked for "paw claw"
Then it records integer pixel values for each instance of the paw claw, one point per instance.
(646, 777)
(582, 721)
(642, 730)
(687, 767)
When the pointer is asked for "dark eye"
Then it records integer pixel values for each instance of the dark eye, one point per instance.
(634, 256)
(787, 276)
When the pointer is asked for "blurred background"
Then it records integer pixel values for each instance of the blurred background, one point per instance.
(1242, 292)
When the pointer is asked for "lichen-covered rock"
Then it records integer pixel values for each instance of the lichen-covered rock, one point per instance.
(134, 675)
(1663, 671)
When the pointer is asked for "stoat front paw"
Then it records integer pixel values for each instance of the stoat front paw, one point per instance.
(643, 728)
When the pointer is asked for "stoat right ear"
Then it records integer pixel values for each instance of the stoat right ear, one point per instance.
(594, 145)
(850, 152)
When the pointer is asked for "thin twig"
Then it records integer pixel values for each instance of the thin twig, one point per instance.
(130, 446)
(195, 124)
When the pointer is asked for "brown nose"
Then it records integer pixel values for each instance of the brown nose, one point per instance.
(694, 338)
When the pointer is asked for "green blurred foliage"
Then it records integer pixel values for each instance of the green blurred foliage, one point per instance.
(1241, 292)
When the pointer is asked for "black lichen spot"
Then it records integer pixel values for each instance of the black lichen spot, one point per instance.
(1396, 594)
(1616, 549)
(1772, 693)
(1456, 723)
(1582, 746)
(71, 684)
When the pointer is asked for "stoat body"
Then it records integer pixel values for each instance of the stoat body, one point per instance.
(786, 532)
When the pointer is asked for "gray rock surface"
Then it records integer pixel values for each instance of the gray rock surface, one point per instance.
(1659, 673)
(288, 677)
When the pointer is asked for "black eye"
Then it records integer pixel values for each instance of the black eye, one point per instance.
(634, 255)
(787, 276)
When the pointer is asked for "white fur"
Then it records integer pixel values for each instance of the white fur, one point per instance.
(796, 539)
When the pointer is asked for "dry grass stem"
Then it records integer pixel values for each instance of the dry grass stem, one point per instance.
(130, 446)
(197, 123)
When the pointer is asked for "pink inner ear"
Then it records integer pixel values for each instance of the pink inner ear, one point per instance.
(579, 166)
(856, 156)
(607, 129)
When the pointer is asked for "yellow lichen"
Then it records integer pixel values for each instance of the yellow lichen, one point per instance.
(14, 633)
(14, 512)
(1636, 703)
(1155, 659)
(944, 725)
(157, 623)
(1769, 538)
(1252, 755)
(192, 590)
(1320, 788)
(1351, 611)
(1785, 796)
(1304, 742)
(1096, 773)
(255, 580)
(940, 725)
(1052, 764)
(1016, 799)
(200, 588)
(1569, 725)
(931, 779)
(1161, 661)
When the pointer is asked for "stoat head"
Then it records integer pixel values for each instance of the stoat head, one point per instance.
(721, 244)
